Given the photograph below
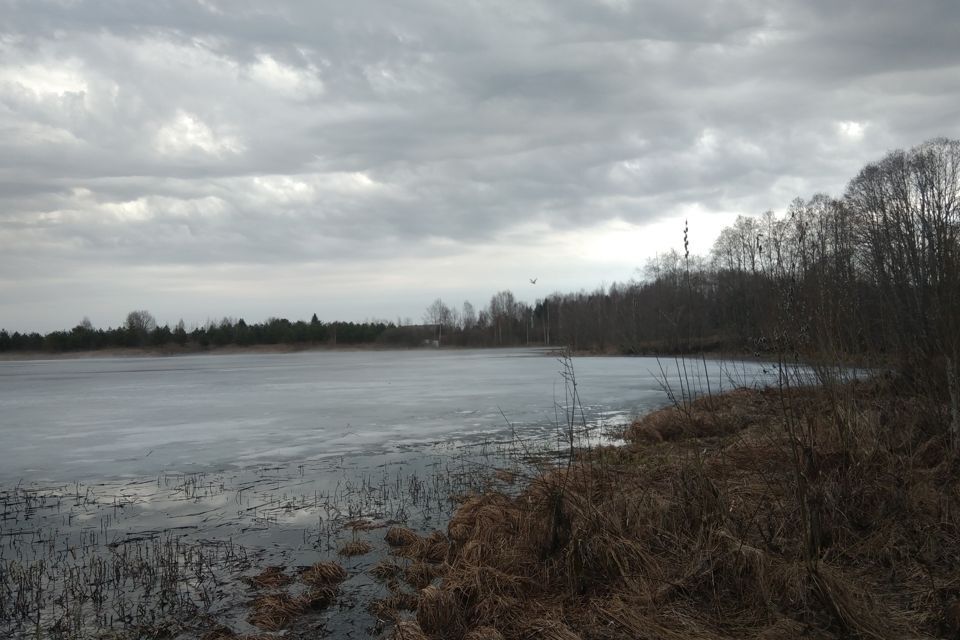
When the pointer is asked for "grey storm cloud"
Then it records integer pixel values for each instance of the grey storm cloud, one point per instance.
(212, 132)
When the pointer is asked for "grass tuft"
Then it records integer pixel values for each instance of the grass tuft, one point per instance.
(323, 574)
(400, 537)
(355, 548)
(270, 578)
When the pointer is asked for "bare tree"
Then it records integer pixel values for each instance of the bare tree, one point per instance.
(469, 316)
(440, 315)
(503, 310)
(141, 322)
(907, 210)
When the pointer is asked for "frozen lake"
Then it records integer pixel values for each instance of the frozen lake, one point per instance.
(85, 419)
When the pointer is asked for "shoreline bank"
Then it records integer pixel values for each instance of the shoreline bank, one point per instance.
(831, 512)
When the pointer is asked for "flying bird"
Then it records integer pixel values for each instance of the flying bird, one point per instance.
(534, 280)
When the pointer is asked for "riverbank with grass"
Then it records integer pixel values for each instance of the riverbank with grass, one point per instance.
(817, 512)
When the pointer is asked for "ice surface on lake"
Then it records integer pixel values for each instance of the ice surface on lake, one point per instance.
(103, 418)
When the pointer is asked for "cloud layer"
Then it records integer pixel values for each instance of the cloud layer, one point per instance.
(204, 158)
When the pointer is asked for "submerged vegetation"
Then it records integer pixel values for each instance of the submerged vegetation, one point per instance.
(217, 556)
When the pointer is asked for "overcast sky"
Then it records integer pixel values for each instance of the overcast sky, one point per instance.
(208, 158)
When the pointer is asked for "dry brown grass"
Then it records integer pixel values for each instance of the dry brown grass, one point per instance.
(355, 548)
(432, 549)
(225, 633)
(386, 569)
(483, 633)
(547, 629)
(425, 555)
(420, 574)
(270, 578)
(318, 597)
(400, 536)
(393, 606)
(830, 513)
(323, 574)
(440, 611)
(408, 630)
(276, 611)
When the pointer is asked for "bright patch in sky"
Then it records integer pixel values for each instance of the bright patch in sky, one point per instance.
(43, 80)
(286, 80)
(851, 130)
(186, 134)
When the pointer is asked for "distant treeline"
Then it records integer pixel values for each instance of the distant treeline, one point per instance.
(876, 270)
(140, 330)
